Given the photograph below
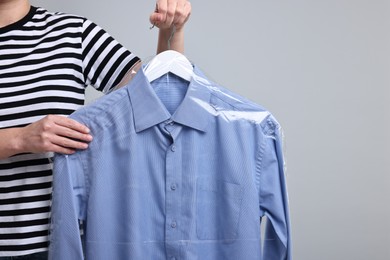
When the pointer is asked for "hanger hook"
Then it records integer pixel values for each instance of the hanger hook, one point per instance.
(170, 37)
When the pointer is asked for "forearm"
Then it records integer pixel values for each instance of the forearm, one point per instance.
(167, 41)
(9, 142)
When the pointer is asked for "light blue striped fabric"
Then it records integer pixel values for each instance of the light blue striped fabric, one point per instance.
(189, 185)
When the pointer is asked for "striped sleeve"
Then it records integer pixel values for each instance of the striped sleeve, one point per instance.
(105, 61)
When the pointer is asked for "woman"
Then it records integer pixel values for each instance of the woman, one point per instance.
(46, 61)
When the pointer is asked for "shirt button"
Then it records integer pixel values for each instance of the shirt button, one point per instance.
(173, 148)
(173, 186)
(173, 224)
(173, 258)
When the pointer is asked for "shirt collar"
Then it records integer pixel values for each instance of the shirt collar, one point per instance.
(194, 111)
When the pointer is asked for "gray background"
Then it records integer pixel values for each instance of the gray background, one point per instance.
(323, 69)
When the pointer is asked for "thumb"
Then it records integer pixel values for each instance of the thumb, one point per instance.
(155, 18)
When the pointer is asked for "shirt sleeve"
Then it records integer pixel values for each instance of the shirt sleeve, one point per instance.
(68, 206)
(273, 195)
(105, 61)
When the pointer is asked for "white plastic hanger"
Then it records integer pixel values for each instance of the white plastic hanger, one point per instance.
(169, 61)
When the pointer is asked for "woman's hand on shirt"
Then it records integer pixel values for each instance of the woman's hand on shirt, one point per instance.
(54, 133)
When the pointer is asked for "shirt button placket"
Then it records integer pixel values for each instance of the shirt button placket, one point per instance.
(172, 196)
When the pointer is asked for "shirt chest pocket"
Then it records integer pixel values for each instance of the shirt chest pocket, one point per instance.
(218, 205)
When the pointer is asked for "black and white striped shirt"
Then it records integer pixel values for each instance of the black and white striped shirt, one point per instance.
(46, 61)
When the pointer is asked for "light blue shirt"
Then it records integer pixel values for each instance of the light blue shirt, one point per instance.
(177, 171)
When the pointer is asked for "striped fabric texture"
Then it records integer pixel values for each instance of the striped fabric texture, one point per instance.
(46, 61)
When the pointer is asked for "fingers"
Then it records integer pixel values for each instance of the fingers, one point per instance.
(68, 123)
(183, 12)
(164, 13)
(171, 12)
(68, 133)
(72, 129)
(65, 143)
(57, 134)
(155, 19)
